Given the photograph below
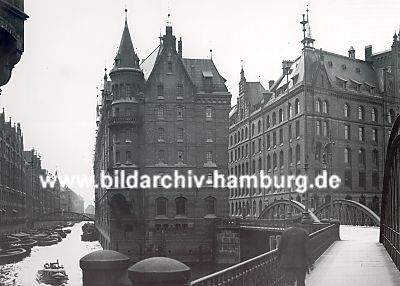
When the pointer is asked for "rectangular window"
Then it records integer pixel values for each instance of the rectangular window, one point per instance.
(160, 112)
(259, 145)
(209, 156)
(253, 147)
(161, 134)
(117, 157)
(347, 132)
(325, 128)
(209, 135)
(180, 156)
(297, 129)
(247, 150)
(347, 178)
(179, 135)
(268, 141)
(179, 91)
(318, 127)
(161, 156)
(361, 179)
(375, 135)
(290, 131)
(128, 157)
(179, 112)
(209, 114)
(274, 138)
(280, 136)
(361, 133)
(160, 90)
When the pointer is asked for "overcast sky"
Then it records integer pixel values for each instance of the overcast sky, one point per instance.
(68, 43)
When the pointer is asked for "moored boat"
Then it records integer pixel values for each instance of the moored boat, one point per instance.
(12, 255)
(52, 273)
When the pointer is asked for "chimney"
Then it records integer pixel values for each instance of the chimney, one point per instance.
(271, 83)
(180, 47)
(352, 53)
(368, 53)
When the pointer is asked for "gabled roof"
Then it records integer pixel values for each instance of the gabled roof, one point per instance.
(201, 69)
(336, 66)
(254, 92)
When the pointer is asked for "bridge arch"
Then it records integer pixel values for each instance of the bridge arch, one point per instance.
(65, 216)
(282, 207)
(348, 212)
(390, 213)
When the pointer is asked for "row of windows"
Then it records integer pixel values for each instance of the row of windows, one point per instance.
(180, 156)
(272, 162)
(181, 206)
(278, 160)
(271, 141)
(161, 112)
(180, 134)
(243, 134)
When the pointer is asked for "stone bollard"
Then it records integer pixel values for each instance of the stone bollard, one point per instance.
(159, 271)
(103, 267)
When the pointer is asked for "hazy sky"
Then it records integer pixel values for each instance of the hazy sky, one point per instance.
(68, 43)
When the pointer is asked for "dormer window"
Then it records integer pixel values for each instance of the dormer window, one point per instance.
(343, 67)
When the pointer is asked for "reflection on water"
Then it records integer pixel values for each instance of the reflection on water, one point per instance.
(68, 252)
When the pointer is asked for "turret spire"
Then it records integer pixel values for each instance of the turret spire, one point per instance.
(126, 56)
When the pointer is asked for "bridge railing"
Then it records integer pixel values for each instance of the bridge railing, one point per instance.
(264, 269)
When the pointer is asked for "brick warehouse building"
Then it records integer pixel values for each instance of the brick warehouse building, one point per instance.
(166, 113)
(340, 124)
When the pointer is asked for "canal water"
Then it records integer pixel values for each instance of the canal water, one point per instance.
(68, 252)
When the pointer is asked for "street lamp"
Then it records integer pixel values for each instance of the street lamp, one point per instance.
(286, 71)
(325, 167)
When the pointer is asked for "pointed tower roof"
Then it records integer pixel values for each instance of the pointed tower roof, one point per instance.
(126, 56)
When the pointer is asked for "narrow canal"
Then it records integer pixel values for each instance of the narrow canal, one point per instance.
(68, 252)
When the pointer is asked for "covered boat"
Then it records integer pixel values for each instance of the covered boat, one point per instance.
(52, 273)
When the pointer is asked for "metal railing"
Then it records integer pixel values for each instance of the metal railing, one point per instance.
(390, 210)
(263, 270)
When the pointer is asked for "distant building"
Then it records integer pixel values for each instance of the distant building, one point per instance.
(12, 176)
(90, 209)
(164, 114)
(71, 201)
(341, 124)
(12, 19)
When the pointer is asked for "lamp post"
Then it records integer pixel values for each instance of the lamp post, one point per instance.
(286, 71)
(328, 152)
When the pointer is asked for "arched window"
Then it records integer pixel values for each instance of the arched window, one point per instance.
(246, 132)
(210, 205)
(235, 138)
(259, 126)
(361, 157)
(324, 106)
(374, 114)
(209, 113)
(375, 158)
(275, 161)
(273, 119)
(297, 106)
(281, 159)
(318, 105)
(242, 135)
(259, 164)
(361, 112)
(290, 111)
(346, 110)
(268, 122)
(298, 156)
(252, 129)
(161, 206)
(231, 140)
(180, 204)
(290, 154)
(347, 155)
(268, 163)
(280, 115)
(259, 207)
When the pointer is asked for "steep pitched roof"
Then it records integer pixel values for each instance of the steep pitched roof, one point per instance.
(336, 66)
(201, 69)
(126, 56)
(254, 92)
